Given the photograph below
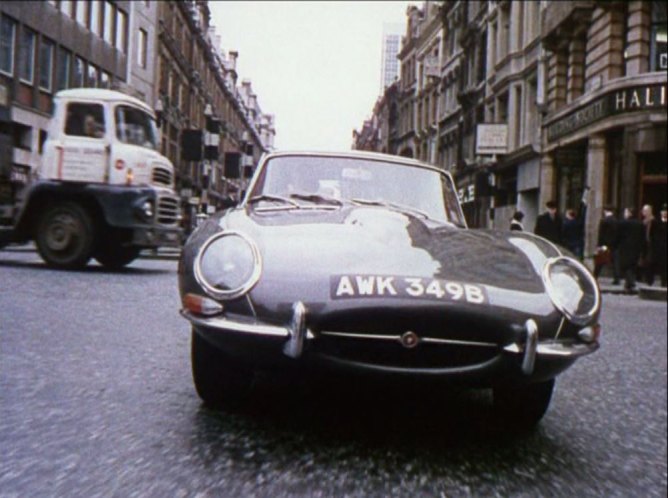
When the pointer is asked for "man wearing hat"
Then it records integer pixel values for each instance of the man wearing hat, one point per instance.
(549, 223)
(606, 249)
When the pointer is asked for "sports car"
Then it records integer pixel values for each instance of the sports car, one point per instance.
(363, 262)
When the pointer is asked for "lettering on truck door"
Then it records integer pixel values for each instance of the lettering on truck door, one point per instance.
(83, 157)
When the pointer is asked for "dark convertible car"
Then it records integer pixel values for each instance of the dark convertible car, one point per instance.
(363, 262)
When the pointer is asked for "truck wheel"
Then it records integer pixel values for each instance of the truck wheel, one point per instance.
(220, 381)
(115, 257)
(523, 406)
(65, 235)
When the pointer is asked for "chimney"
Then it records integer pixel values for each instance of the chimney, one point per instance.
(233, 60)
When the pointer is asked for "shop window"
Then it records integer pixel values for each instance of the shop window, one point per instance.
(27, 56)
(105, 79)
(46, 64)
(7, 34)
(659, 38)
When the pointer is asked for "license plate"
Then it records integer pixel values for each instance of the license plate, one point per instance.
(383, 286)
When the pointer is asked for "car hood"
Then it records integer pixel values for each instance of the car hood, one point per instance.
(303, 249)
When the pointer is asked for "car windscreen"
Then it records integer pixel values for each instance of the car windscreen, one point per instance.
(136, 127)
(362, 180)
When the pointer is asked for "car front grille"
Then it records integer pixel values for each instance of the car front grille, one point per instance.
(161, 176)
(168, 210)
(393, 354)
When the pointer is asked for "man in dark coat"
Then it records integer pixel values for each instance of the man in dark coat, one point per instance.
(607, 241)
(548, 224)
(631, 245)
(572, 234)
(658, 242)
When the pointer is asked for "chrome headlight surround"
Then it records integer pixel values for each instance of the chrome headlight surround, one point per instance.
(577, 317)
(240, 290)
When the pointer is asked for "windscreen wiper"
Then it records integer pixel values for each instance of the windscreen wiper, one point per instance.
(317, 198)
(272, 198)
(395, 205)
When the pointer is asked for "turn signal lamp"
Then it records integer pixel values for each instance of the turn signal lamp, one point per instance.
(201, 305)
(129, 176)
(590, 334)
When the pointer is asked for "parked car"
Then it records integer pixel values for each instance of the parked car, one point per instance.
(363, 262)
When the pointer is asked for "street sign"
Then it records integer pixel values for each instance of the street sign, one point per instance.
(491, 139)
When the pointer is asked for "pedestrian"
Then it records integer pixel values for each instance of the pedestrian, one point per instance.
(650, 264)
(631, 244)
(549, 223)
(516, 222)
(572, 234)
(660, 244)
(606, 247)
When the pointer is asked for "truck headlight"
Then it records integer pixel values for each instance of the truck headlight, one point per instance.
(228, 265)
(144, 210)
(572, 288)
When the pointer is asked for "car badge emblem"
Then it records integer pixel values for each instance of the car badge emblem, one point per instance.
(409, 339)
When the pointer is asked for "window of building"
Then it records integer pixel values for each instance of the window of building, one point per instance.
(46, 64)
(7, 34)
(63, 69)
(121, 30)
(95, 17)
(27, 56)
(93, 76)
(142, 47)
(85, 120)
(105, 79)
(108, 23)
(659, 40)
(79, 71)
(82, 12)
(66, 7)
(502, 108)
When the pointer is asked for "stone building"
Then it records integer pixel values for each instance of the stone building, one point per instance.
(513, 53)
(605, 121)
(199, 95)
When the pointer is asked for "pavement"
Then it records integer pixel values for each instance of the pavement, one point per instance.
(654, 293)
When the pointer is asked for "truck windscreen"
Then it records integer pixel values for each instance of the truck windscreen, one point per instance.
(136, 127)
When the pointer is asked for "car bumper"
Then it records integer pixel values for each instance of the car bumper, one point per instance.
(529, 358)
(157, 237)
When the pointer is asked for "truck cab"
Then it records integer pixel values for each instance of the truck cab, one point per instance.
(103, 189)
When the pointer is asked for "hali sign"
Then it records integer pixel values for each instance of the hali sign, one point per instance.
(630, 99)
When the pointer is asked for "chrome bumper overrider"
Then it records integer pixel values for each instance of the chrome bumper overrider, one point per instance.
(296, 333)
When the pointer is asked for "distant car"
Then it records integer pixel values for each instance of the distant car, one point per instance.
(363, 262)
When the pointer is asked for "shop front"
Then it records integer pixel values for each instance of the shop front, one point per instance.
(609, 148)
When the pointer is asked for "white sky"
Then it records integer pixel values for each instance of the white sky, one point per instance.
(314, 65)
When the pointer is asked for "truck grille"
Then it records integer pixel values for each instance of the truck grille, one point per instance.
(162, 176)
(168, 210)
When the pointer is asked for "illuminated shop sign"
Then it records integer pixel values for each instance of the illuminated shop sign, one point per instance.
(615, 102)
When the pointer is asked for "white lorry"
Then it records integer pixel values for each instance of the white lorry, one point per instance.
(102, 190)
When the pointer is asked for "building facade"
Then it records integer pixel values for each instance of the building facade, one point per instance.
(200, 96)
(389, 66)
(604, 132)
(571, 93)
(52, 45)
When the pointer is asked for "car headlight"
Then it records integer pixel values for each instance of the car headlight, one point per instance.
(228, 265)
(572, 288)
